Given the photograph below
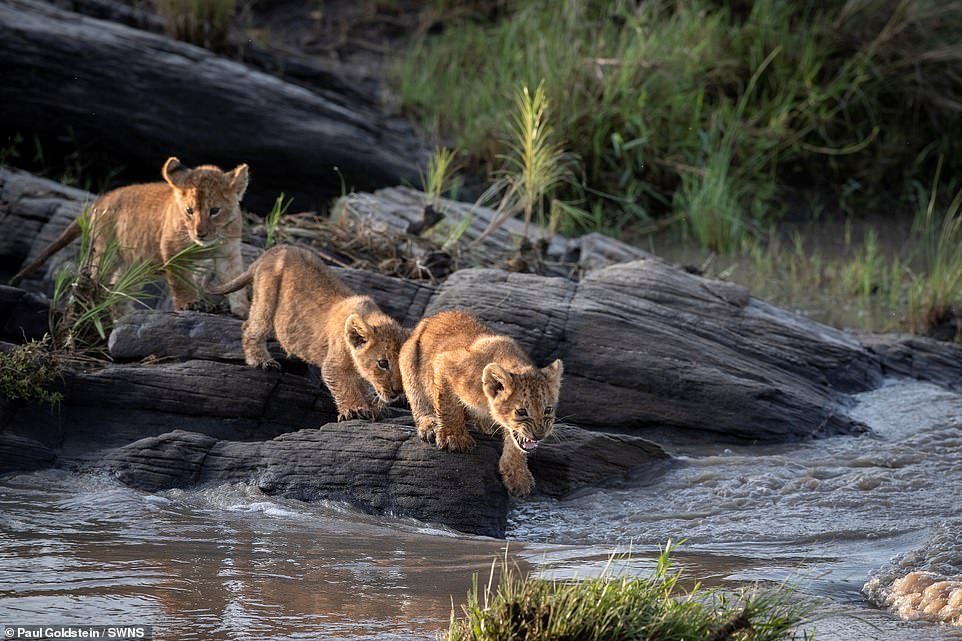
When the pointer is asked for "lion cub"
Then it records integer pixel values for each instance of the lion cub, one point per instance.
(453, 364)
(155, 221)
(318, 319)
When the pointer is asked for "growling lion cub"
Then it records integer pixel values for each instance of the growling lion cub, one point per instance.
(318, 319)
(155, 221)
(453, 365)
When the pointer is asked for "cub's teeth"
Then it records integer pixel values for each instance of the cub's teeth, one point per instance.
(529, 445)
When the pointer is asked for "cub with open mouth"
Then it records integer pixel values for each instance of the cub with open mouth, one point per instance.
(453, 365)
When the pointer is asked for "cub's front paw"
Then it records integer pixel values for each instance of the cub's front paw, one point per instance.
(456, 442)
(425, 429)
(517, 478)
(364, 413)
(269, 364)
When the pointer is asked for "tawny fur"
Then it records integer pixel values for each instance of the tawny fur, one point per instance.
(318, 319)
(453, 366)
(155, 221)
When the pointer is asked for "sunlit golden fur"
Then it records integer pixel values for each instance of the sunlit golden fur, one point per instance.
(453, 366)
(155, 221)
(318, 319)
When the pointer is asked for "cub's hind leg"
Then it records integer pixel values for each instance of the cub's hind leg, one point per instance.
(259, 325)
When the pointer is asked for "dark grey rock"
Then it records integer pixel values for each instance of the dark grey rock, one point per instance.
(382, 468)
(101, 79)
(924, 359)
(180, 335)
(24, 316)
(20, 453)
(572, 458)
(647, 346)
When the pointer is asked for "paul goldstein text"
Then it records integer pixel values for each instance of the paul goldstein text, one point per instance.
(77, 632)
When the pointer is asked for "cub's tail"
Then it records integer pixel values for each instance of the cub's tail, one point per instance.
(232, 285)
(71, 233)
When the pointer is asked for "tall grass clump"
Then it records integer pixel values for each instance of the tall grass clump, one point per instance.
(201, 22)
(615, 606)
(91, 291)
(533, 168)
(701, 109)
(936, 291)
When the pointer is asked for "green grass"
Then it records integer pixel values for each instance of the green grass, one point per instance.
(533, 169)
(439, 177)
(699, 109)
(936, 291)
(92, 290)
(28, 372)
(272, 220)
(619, 607)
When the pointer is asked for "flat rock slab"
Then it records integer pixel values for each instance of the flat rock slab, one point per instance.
(382, 468)
(114, 405)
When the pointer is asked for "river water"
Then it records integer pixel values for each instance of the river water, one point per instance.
(843, 519)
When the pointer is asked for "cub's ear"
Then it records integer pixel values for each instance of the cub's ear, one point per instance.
(553, 373)
(238, 180)
(174, 172)
(356, 331)
(495, 380)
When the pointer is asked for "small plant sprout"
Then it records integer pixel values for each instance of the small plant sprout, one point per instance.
(440, 173)
(273, 219)
(534, 166)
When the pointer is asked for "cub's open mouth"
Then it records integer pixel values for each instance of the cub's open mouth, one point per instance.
(525, 444)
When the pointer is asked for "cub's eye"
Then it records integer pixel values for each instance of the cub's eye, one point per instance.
(548, 410)
(383, 364)
(189, 211)
(214, 211)
(521, 411)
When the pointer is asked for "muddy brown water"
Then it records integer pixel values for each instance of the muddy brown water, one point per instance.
(226, 562)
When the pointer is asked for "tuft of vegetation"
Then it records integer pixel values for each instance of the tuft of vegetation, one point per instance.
(29, 371)
(616, 606)
(534, 167)
(201, 22)
(439, 178)
(701, 109)
(272, 220)
(94, 290)
(935, 294)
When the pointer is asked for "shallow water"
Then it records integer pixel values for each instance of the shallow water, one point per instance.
(227, 562)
